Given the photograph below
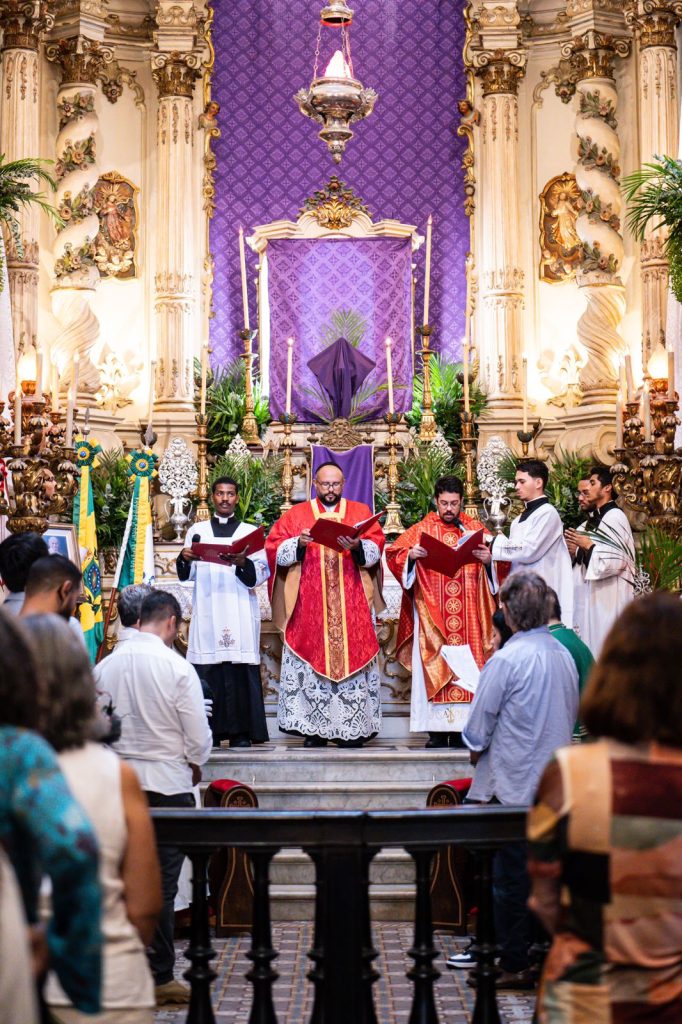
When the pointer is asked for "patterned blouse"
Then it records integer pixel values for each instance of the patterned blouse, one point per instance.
(606, 862)
(46, 832)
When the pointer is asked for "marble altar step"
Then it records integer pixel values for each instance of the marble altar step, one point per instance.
(387, 774)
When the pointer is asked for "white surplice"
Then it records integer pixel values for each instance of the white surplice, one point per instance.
(225, 623)
(605, 586)
(537, 544)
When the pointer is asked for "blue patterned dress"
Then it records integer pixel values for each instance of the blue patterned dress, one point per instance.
(46, 832)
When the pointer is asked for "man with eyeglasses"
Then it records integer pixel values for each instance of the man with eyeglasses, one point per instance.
(439, 610)
(322, 602)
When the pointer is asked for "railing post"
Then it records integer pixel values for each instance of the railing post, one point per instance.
(423, 951)
(316, 952)
(261, 975)
(199, 974)
(485, 972)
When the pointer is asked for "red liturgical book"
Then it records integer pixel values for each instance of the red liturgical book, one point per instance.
(253, 541)
(446, 560)
(328, 531)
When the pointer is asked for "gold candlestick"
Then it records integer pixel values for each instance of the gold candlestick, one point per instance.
(392, 523)
(287, 445)
(427, 427)
(632, 427)
(525, 437)
(669, 424)
(202, 442)
(249, 429)
(469, 445)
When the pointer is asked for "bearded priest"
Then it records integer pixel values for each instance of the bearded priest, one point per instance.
(323, 602)
(438, 610)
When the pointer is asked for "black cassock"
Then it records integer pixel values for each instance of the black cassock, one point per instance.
(236, 689)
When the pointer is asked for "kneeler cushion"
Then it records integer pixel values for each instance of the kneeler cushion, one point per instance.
(229, 873)
(452, 881)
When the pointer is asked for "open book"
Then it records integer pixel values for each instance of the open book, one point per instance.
(446, 560)
(328, 531)
(216, 553)
(461, 662)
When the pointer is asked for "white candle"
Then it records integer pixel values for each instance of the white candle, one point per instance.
(17, 415)
(630, 380)
(76, 368)
(39, 374)
(245, 292)
(619, 420)
(55, 386)
(646, 412)
(427, 272)
(389, 374)
(68, 432)
(622, 382)
(150, 403)
(204, 375)
(524, 389)
(671, 376)
(465, 371)
(290, 366)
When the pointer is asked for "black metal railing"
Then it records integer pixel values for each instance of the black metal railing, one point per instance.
(341, 845)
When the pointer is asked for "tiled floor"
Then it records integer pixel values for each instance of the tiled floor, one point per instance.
(293, 993)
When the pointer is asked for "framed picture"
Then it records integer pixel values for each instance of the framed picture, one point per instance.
(62, 539)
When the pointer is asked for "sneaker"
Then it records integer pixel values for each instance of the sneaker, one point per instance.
(464, 960)
(173, 992)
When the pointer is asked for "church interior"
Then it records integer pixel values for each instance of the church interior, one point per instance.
(413, 238)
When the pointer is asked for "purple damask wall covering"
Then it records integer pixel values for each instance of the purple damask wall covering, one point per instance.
(404, 160)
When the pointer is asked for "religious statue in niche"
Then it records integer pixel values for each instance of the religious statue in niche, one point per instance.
(116, 242)
(560, 246)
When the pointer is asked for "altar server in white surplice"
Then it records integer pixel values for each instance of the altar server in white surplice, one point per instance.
(603, 570)
(224, 633)
(536, 537)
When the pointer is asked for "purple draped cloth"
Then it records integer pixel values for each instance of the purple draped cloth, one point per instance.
(309, 280)
(357, 466)
(340, 369)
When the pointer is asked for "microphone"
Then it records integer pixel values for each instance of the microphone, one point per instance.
(196, 538)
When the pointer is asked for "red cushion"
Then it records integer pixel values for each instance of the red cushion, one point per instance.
(460, 785)
(224, 785)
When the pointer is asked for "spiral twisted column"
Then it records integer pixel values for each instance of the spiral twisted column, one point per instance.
(599, 222)
(22, 23)
(81, 61)
(655, 22)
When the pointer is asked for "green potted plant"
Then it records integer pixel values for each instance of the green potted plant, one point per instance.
(226, 404)
(16, 178)
(446, 397)
(111, 495)
(654, 198)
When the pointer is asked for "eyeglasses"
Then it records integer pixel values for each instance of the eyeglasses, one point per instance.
(328, 487)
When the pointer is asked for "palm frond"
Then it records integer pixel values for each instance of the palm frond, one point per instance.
(654, 197)
(344, 323)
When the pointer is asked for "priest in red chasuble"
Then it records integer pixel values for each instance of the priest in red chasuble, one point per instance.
(323, 602)
(438, 610)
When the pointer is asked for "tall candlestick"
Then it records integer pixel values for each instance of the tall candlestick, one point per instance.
(671, 375)
(204, 374)
(465, 371)
(74, 382)
(245, 291)
(68, 431)
(39, 374)
(290, 366)
(427, 272)
(619, 420)
(17, 415)
(524, 387)
(629, 377)
(389, 374)
(646, 412)
(150, 403)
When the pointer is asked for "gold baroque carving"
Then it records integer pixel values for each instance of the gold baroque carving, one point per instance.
(23, 21)
(335, 205)
(500, 71)
(469, 119)
(116, 242)
(175, 74)
(560, 247)
(340, 436)
(80, 59)
(593, 54)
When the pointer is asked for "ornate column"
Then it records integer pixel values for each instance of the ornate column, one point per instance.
(81, 61)
(655, 22)
(22, 23)
(599, 225)
(499, 65)
(179, 261)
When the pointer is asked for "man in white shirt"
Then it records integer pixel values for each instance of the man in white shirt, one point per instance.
(604, 552)
(166, 738)
(536, 537)
(129, 605)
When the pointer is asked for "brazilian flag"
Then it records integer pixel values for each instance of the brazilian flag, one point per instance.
(91, 616)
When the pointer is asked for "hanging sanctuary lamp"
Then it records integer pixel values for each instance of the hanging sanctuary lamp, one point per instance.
(336, 99)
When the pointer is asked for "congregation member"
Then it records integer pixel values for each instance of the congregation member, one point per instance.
(525, 706)
(501, 631)
(605, 835)
(224, 631)
(18, 552)
(166, 738)
(129, 605)
(579, 651)
(437, 610)
(604, 552)
(322, 601)
(45, 832)
(109, 792)
(536, 537)
(54, 586)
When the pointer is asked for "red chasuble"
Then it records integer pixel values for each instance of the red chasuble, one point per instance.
(323, 605)
(456, 610)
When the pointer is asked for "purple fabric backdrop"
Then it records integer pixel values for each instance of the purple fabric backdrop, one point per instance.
(404, 160)
(358, 469)
(305, 280)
